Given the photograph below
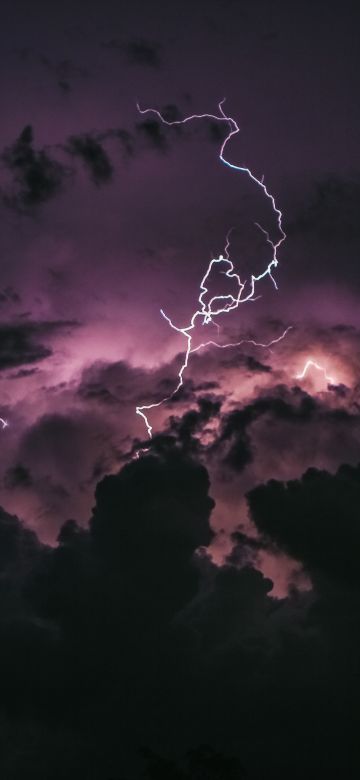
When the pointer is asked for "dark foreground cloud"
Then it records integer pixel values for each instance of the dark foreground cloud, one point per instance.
(315, 520)
(127, 651)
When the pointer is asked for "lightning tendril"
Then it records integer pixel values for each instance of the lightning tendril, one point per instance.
(220, 304)
(314, 364)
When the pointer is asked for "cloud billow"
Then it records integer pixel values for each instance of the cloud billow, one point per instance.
(129, 629)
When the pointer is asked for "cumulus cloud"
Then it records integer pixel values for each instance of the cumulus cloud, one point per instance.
(128, 624)
(231, 424)
(315, 520)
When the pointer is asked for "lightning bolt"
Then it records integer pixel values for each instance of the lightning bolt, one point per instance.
(220, 304)
(4, 424)
(313, 364)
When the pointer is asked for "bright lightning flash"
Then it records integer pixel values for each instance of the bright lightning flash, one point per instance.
(313, 364)
(4, 424)
(220, 304)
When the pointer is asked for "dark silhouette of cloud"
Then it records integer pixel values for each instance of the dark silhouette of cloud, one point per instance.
(143, 52)
(92, 153)
(217, 132)
(171, 112)
(19, 546)
(126, 139)
(37, 176)
(287, 406)
(315, 520)
(138, 51)
(246, 361)
(153, 132)
(125, 634)
(23, 372)
(191, 423)
(21, 342)
(169, 522)
(18, 476)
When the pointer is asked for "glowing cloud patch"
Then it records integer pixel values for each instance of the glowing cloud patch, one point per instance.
(313, 364)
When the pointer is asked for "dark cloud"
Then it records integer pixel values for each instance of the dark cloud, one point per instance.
(193, 422)
(23, 372)
(137, 52)
(126, 139)
(204, 387)
(248, 362)
(171, 113)
(21, 342)
(19, 546)
(152, 131)
(217, 132)
(92, 153)
(292, 407)
(18, 476)
(37, 176)
(245, 549)
(95, 391)
(121, 383)
(125, 634)
(111, 383)
(143, 52)
(160, 135)
(165, 482)
(65, 453)
(315, 520)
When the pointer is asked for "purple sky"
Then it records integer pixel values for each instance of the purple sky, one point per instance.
(89, 259)
(169, 603)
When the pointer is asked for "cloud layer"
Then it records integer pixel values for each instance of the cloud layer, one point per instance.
(128, 628)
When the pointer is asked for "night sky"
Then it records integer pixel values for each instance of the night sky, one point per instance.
(186, 606)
